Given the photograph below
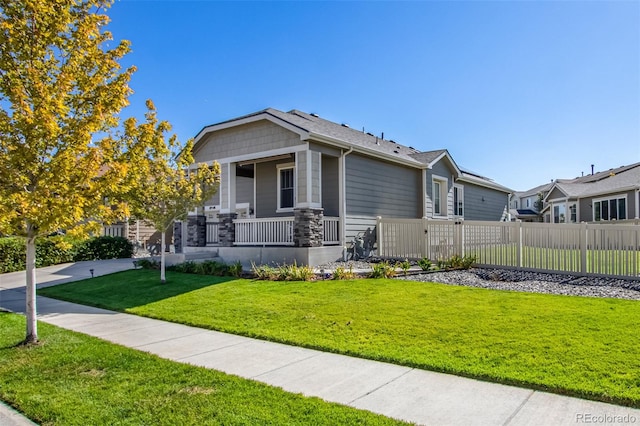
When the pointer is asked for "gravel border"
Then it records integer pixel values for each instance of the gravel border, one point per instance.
(527, 281)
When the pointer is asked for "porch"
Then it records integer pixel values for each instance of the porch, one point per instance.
(306, 238)
(269, 231)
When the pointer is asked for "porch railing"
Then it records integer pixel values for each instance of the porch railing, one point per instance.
(270, 231)
(113, 230)
(212, 233)
(330, 233)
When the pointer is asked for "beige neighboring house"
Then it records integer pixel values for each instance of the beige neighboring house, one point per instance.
(611, 195)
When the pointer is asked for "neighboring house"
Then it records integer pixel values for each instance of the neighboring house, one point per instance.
(604, 196)
(528, 206)
(294, 179)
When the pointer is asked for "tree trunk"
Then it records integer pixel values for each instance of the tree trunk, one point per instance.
(162, 274)
(32, 324)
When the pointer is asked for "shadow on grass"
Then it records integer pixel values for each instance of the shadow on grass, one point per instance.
(130, 289)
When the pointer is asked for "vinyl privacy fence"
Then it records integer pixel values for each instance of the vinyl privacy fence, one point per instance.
(610, 250)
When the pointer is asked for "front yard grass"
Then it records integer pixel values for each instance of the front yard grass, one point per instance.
(584, 347)
(74, 379)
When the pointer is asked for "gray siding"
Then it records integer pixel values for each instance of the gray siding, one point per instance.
(330, 186)
(266, 177)
(246, 139)
(585, 210)
(482, 203)
(440, 169)
(244, 190)
(376, 188)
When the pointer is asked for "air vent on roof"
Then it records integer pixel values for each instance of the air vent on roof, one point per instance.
(313, 114)
(398, 147)
(370, 134)
(396, 151)
(345, 125)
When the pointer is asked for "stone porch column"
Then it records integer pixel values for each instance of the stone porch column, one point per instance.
(307, 227)
(196, 231)
(226, 229)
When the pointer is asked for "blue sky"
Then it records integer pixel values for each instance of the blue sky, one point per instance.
(520, 91)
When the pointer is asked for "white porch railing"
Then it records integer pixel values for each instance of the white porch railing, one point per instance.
(113, 230)
(269, 231)
(212, 233)
(330, 233)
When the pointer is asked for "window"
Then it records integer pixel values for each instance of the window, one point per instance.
(573, 213)
(458, 201)
(286, 187)
(559, 213)
(610, 209)
(528, 202)
(439, 197)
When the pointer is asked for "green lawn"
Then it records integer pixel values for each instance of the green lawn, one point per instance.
(584, 347)
(73, 379)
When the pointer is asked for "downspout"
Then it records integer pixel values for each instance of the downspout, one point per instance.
(343, 201)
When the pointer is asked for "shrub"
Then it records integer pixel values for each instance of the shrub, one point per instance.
(404, 265)
(264, 272)
(148, 264)
(341, 273)
(425, 264)
(104, 247)
(49, 251)
(458, 262)
(235, 269)
(12, 254)
(382, 270)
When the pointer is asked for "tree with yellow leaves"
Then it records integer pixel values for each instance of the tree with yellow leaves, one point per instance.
(168, 183)
(61, 86)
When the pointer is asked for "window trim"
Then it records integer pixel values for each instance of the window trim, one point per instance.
(443, 194)
(279, 169)
(608, 201)
(460, 190)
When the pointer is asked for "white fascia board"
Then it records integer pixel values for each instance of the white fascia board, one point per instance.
(345, 145)
(257, 155)
(258, 117)
(448, 156)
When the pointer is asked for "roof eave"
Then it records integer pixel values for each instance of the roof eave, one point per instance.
(356, 148)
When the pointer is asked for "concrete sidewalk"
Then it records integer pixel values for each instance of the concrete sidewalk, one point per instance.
(405, 393)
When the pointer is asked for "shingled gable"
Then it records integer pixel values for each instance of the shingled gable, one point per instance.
(313, 128)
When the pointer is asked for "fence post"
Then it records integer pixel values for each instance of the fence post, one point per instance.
(520, 254)
(425, 238)
(584, 236)
(380, 232)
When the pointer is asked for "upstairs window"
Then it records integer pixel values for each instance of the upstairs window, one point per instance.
(439, 196)
(458, 201)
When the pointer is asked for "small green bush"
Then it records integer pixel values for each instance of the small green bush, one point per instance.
(264, 272)
(425, 264)
(405, 265)
(235, 269)
(148, 264)
(342, 273)
(382, 270)
(49, 251)
(104, 247)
